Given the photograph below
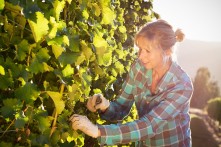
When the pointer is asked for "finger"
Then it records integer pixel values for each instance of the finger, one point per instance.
(94, 98)
(75, 126)
(98, 106)
(89, 105)
(73, 116)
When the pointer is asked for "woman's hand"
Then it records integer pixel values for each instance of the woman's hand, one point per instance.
(80, 122)
(93, 104)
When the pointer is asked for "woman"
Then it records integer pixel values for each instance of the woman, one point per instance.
(160, 89)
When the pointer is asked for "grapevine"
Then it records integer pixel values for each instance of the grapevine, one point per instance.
(56, 53)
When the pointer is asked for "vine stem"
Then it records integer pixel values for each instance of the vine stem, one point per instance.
(8, 127)
(55, 113)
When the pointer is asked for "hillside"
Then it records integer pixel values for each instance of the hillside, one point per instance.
(192, 55)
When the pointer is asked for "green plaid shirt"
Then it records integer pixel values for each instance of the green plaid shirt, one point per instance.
(163, 117)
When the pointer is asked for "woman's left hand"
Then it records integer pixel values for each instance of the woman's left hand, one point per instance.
(80, 122)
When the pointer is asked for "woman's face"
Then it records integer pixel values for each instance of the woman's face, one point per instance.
(150, 55)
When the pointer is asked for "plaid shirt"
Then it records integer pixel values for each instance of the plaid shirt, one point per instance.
(163, 117)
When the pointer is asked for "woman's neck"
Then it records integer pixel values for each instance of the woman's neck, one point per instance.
(158, 73)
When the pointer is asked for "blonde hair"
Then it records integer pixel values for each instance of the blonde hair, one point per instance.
(160, 32)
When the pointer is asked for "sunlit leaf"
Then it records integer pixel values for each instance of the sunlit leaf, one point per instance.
(86, 50)
(39, 28)
(80, 59)
(58, 7)
(2, 70)
(2, 4)
(85, 14)
(122, 29)
(66, 40)
(119, 67)
(108, 15)
(57, 99)
(57, 50)
(97, 9)
(67, 71)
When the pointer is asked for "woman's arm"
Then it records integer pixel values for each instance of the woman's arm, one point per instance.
(152, 123)
(120, 108)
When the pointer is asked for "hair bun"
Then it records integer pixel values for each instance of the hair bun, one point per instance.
(179, 35)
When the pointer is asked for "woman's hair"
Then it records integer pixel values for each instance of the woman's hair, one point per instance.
(161, 32)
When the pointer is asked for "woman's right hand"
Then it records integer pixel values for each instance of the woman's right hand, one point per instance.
(96, 102)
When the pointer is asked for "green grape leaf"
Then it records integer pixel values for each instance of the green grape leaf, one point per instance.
(57, 50)
(58, 7)
(57, 99)
(38, 61)
(97, 9)
(122, 29)
(28, 93)
(66, 40)
(85, 14)
(8, 109)
(80, 59)
(68, 71)
(74, 92)
(68, 58)
(119, 67)
(40, 28)
(21, 120)
(74, 42)
(6, 81)
(2, 4)
(57, 41)
(120, 53)
(100, 44)
(43, 55)
(43, 123)
(36, 66)
(69, 1)
(22, 50)
(86, 80)
(108, 16)
(107, 59)
(53, 31)
(88, 53)
(2, 70)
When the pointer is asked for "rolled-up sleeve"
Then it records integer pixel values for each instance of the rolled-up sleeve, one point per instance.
(120, 108)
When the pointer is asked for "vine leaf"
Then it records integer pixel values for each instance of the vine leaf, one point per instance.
(20, 121)
(2, 70)
(57, 50)
(67, 71)
(108, 15)
(97, 9)
(43, 123)
(58, 7)
(28, 93)
(22, 50)
(8, 109)
(57, 99)
(2, 4)
(40, 28)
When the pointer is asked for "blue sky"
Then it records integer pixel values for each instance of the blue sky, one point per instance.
(199, 19)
